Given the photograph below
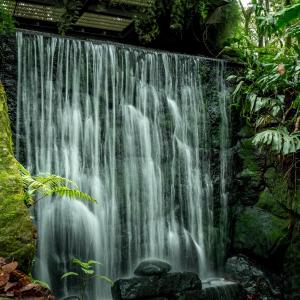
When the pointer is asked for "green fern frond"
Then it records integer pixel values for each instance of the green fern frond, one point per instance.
(22, 169)
(54, 181)
(49, 185)
(70, 193)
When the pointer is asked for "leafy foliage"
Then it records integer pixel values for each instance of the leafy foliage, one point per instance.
(287, 15)
(182, 16)
(7, 22)
(49, 185)
(70, 14)
(279, 140)
(41, 283)
(86, 273)
(147, 26)
(268, 91)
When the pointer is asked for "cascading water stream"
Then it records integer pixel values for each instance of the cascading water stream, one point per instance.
(133, 128)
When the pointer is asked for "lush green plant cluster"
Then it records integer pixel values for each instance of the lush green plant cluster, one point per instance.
(181, 16)
(268, 93)
(85, 274)
(146, 25)
(7, 23)
(71, 11)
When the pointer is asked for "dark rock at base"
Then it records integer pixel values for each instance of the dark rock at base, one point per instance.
(256, 281)
(152, 298)
(188, 295)
(155, 286)
(152, 267)
(291, 268)
(223, 291)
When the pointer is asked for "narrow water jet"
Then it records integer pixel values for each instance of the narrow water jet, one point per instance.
(136, 129)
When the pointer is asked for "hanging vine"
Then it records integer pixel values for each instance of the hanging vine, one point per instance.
(70, 15)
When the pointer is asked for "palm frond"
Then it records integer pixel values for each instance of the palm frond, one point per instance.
(279, 140)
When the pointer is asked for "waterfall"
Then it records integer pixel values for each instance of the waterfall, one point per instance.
(144, 132)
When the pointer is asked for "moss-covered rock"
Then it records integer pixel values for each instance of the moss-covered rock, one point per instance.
(280, 194)
(251, 176)
(17, 231)
(272, 203)
(249, 157)
(260, 233)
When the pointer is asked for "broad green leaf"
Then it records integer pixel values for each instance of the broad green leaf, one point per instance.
(287, 15)
(279, 140)
(80, 263)
(231, 78)
(87, 271)
(68, 274)
(41, 283)
(296, 102)
(237, 89)
(105, 278)
(93, 262)
(252, 99)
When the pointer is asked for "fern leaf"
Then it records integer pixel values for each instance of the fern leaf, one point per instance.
(54, 180)
(23, 170)
(64, 191)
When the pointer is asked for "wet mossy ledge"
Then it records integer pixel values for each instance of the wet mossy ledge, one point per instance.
(266, 224)
(17, 233)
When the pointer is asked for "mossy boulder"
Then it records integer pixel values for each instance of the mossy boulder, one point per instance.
(272, 203)
(281, 196)
(258, 232)
(250, 158)
(251, 176)
(17, 231)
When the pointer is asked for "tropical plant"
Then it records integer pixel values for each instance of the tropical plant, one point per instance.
(85, 274)
(45, 185)
(268, 91)
(279, 140)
